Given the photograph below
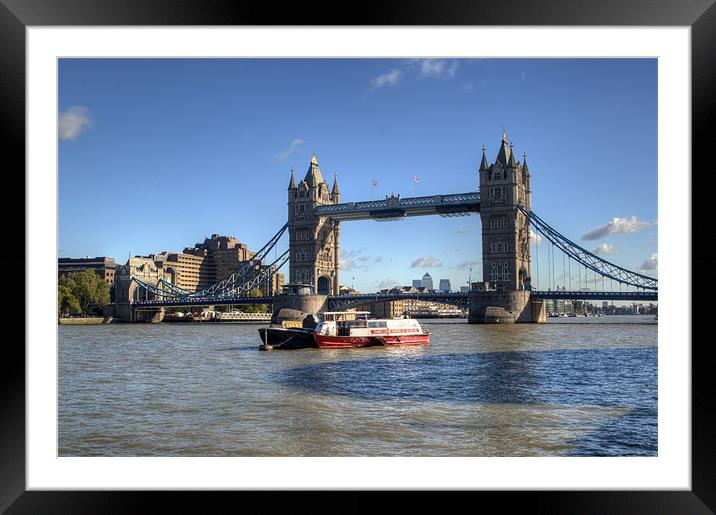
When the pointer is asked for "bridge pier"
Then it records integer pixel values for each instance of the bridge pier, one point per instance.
(153, 316)
(125, 312)
(504, 307)
(120, 311)
(296, 303)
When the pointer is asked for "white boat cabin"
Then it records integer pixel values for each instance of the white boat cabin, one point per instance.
(357, 323)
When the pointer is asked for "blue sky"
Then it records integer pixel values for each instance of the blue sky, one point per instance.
(156, 154)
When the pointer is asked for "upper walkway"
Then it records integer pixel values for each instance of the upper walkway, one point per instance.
(394, 207)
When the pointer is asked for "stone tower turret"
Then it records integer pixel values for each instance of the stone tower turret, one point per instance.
(505, 230)
(313, 241)
(335, 192)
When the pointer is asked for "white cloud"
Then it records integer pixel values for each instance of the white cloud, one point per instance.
(387, 283)
(347, 264)
(650, 264)
(387, 79)
(350, 253)
(466, 264)
(426, 262)
(605, 248)
(464, 230)
(535, 238)
(294, 147)
(370, 259)
(617, 226)
(356, 260)
(72, 122)
(424, 68)
(436, 69)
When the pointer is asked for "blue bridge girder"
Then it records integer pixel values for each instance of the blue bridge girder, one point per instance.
(203, 301)
(454, 299)
(350, 301)
(595, 295)
(393, 208)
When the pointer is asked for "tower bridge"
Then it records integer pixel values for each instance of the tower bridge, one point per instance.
(504, 202)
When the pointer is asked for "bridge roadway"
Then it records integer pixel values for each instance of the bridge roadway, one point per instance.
(395, 207)
(643, 296)
(456, 299)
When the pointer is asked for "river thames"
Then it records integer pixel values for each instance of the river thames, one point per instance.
(570, 387)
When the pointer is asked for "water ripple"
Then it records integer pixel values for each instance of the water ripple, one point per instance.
(194, 390)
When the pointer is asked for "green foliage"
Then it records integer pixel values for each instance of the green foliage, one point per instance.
(80, 291)
(66, 301)
(256, 308)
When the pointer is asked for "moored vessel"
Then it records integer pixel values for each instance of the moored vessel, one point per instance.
(286, 338)
(289, 335)
(347, 329)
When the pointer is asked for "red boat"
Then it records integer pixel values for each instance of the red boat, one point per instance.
(346, 329)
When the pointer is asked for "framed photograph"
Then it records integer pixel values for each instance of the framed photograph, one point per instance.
(278, 139)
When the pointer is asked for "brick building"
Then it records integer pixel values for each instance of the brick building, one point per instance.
(103, 266)
(187, 271)
(224, 255)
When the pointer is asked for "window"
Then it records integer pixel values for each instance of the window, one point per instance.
(498, 247)
(499, 271)
(498, 223)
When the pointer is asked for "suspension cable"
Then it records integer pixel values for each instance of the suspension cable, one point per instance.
(549, 274)
(589, 259)
(554, 279)
(537, 236)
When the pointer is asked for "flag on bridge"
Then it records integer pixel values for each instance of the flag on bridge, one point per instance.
(416, 179)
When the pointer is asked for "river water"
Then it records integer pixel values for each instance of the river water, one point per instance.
(571, 387)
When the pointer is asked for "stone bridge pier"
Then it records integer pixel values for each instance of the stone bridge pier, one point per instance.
(122, 308)
(296, 302)
(505, 307)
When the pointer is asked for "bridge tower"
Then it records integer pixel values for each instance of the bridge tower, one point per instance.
(313, 241)
(505, 229)
(506, 272)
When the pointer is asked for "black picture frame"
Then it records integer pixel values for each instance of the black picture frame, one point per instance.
(700, 15)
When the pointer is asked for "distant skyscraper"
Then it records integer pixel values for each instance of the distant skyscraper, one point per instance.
(445, 285)
(464, 289)
(417, 283)
(427, 281)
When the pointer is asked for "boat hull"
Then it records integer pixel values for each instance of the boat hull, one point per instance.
(346, 342)
(281, 338)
